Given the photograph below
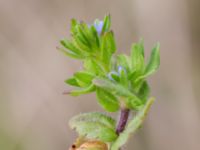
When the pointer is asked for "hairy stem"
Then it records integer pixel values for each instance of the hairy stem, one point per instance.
(124, 114)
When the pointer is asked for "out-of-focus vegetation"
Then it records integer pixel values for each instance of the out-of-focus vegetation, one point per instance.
(35, 113)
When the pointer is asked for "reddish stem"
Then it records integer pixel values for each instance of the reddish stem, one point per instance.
(124, 114)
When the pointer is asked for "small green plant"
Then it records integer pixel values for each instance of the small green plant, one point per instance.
(118, 80)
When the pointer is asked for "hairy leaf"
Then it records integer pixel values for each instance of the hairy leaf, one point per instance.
(133, 103)
(84, 78)
(137, 58)
(123, 76)
(113, 87)
(153, 63)
(92, 65)
(70, 53)
(108, 47)
(94, 126)
(114, 76)
(94, 117)
(69, 45)
(96, 36)
(106, 23)
(72, 81)
(144, 91)
(96, 130)
(107, 100)
(84, 90)
(124, 61)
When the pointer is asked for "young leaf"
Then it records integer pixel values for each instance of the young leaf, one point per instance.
(70, 53)
(124, 61)
(107, 100)
(81, 35)
(114, 76)
(133, 103)
(106, 23)
(144, 91)
(83, 78)
(108, 42)
(72, 81)
(80, 43)
(91, 35)
(94, 117)
(123, 76)
(137, 57)
(73, 26)
(113, 87)
(153, 63)
(132, 126)
(84, 90)
(108, 47)
(96, 36)
(141, 44)
(92, 65)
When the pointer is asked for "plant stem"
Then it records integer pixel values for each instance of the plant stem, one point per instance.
(124, 114)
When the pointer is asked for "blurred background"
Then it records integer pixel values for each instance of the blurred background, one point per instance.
(33, 112)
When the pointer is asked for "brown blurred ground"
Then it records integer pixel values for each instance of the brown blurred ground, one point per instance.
(34, 113)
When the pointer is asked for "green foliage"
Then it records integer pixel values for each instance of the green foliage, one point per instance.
(119, 81)
(95, 126)
(107, 100)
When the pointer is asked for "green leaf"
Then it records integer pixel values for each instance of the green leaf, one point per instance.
(91, 65)
(70, 53)
(94, 117)
(94, 126)
(135, 84)
(154, 61)
(83, 37)
(132, 126)
(107, 100)
(108, 42)
(113, 87)
(123, 76)
(111, 45)
(144, 91)
(124, 61)
(80, 38)
(90, 35)
(114, 76)
(141, 44)
(73, 25)
(84, 90)
(69, 45)
(72, 81)
(95, 34)
(133, 103)
(108, 47)
(84, 78)
(137, 57)
(95, 130)
(106, 23)
(80, 43)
